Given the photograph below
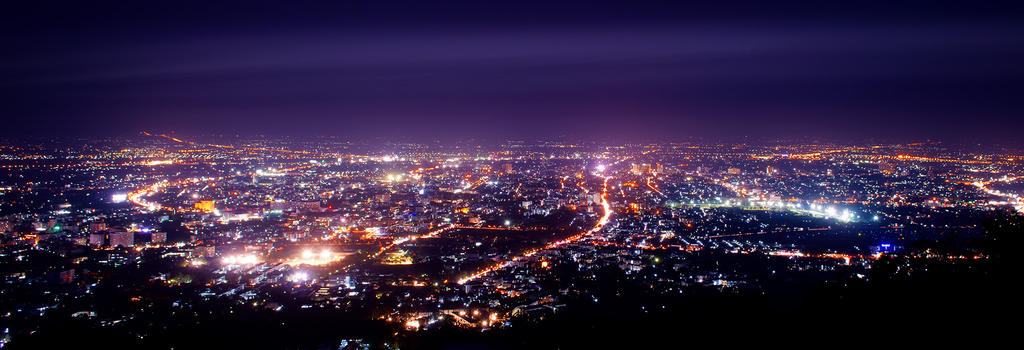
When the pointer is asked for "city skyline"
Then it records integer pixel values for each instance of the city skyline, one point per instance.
(159, 241)
(400, 174)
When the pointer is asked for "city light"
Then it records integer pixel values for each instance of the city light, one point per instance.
(472, 244)
(298, 277)
(314, 258)
(447, 175)
(244, 259)
(119, 197)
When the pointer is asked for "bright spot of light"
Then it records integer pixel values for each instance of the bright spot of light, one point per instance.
(300, 276)
(239, 260)
(119, 198)
(309, 257)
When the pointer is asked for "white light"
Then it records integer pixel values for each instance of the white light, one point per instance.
(831, 211)
(119, 198)
(600, 167)
(240, 260)
(298, 277)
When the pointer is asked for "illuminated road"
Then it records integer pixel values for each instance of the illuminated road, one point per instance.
(1015, 200)
(600, 224)
(402, 240)
(654, 187)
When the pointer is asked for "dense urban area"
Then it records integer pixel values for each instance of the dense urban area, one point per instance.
(159, 241)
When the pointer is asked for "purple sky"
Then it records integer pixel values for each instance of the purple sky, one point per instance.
(893, 71)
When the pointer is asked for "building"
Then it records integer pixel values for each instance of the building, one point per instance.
(158, 237)
(67, 276)
(203, 251)
(97, 239)
(97, 226)
(206, 206)
(640, 169)
(301, 206)
(122, 239)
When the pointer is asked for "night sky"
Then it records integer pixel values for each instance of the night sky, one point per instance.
(476, 69)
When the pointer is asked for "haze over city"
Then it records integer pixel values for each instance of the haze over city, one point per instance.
(897, 71)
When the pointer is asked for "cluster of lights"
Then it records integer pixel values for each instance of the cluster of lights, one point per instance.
(832, 212)
(270, 172)
(461, 318)
(244, 259)
(159, 162)
(137, 197)
(814, 209)
(402, 240)
(309, 257)
(600, 224)
(1015, 200)
(119, 197)
(298, 277)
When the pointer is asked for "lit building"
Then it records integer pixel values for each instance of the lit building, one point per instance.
(206, 206)
(97, 239)
(67, 276)
(97, 226)
(158, 237)
(122, 239)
